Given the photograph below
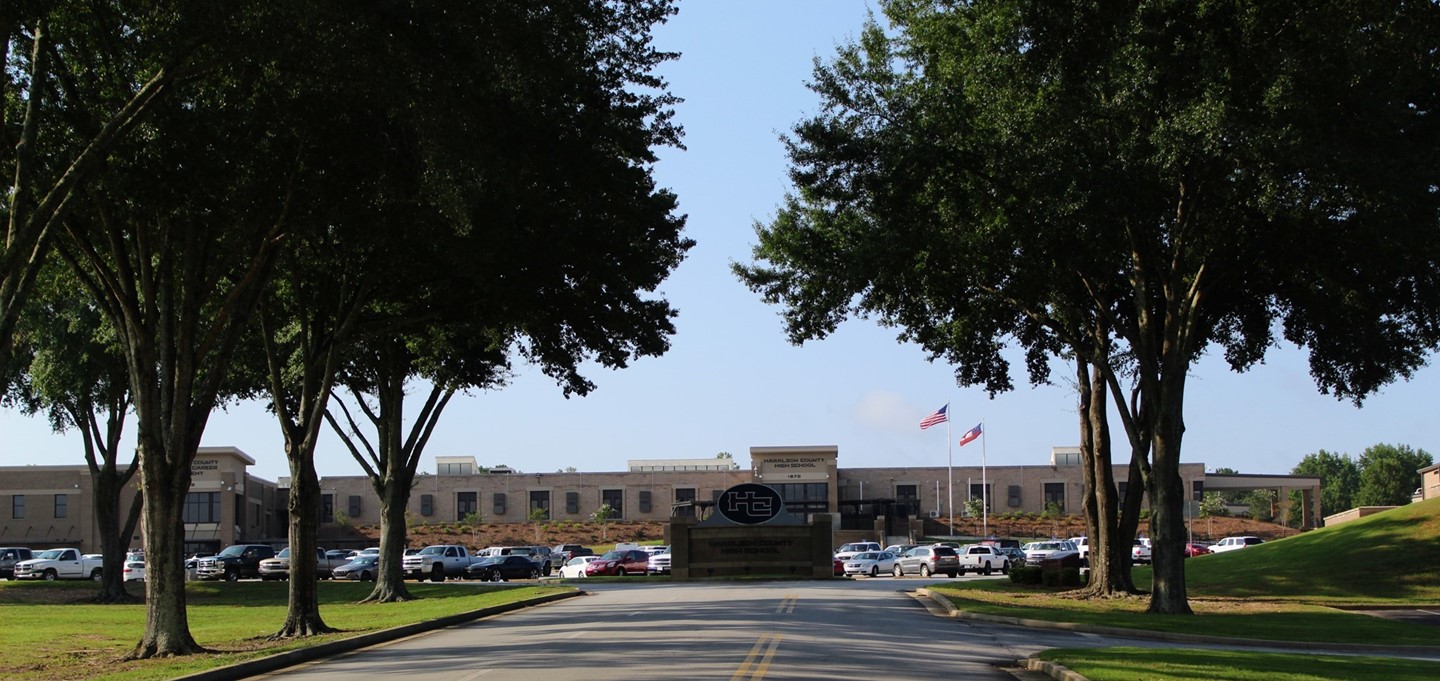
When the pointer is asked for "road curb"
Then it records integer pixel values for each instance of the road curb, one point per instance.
(290, 658)
(1058, 672)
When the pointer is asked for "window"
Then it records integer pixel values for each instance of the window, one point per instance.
(1055, 495)
(805, 497)
(572, 502)
(684, 494)
(327, 508)
(644, 501)
(985, 491)
(540, 501)
(62, 504)
(499, 503)
(1197, 490)
(907, 499)
(616, 499)
(17, 506)
(1014, 497)
(454, 469)
(202, 507)
(353, 506)
(465, 504)
(427, 505)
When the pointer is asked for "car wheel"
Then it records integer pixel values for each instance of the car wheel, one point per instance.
(232, 575)
(365, 577)
(620, 572)
(534, 573)
(494, 576)
(897, 571)
(50, 576)
(97, 576)
(874, 571)
(1005, 568)
(924, 570)
(986, 570)
(437, 573)
(960, 571)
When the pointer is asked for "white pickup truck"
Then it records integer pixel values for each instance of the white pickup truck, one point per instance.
(982, 558)
(437, 562)
(60, 564)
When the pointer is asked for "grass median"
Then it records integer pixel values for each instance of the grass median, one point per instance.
(1292, 590)
(50, 633)
(1129, 664)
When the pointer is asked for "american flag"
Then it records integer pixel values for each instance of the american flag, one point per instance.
(938, 417)
(970, 435)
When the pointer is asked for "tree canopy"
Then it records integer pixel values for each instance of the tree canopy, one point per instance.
(1128, 183)
(1389, 474)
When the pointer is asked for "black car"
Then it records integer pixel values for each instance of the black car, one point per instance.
(501, 568)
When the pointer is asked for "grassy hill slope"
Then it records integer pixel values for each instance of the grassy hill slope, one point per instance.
(1388, 558)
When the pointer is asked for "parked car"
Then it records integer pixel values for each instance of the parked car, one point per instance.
(982, 558)
(502, 568)
(561, 554)
(1235, 543)
(575, 567)
(926, 561)
(436, 562)
(1037, 551)
(1140, 552)
(870, 563)
(839, 568)
(899, 549)
(194, 561)
(619, 563)
(1193, 549)
(60, 564)
(325, 564)
(655, 548)
(1015, 555)
(848, 550)
(364, 567)
(134, 567)
(9, 556)
(234, 562)
(1082, 545)
(659, 563)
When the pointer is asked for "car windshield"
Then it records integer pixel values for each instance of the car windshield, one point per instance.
(433, 551)
(236, 550)
(614, 555)
(579, 561)
(52, 554)
(868, 555)
(944, 551)
(366, 560)
(490, 561)
(284, 553)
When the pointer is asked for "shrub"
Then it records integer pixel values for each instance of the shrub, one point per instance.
(1024, 574)
(1071, 577)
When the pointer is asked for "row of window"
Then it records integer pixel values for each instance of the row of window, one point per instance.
(17, 506)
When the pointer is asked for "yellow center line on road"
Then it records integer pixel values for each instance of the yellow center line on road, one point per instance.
(758, 661)
(787, 606)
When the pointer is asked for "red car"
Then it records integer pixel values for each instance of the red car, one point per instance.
(1193, 549)
(619, 563)
(839, 568)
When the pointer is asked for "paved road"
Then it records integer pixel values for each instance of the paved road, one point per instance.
(650, 631)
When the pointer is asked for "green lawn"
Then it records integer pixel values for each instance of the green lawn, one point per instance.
(1284, 590)
(60, 638)
(1129, 664)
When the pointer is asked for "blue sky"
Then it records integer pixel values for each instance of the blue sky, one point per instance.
(731, 381)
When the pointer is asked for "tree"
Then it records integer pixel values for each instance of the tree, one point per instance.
(66, 363)
(1126, 186)
(1389, 474)
(174, 242)
(555, 232)
(602, 515)
(86, 76)
(1339, 481)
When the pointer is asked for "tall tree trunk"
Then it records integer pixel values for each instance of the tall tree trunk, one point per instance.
(1167, 518)
(390, 583)
(165, 484)
(1109, 572)
(114, 536)
(302, 617)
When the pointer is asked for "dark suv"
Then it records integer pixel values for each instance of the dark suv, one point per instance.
(928, 560)
(561, 554)
(9, 556)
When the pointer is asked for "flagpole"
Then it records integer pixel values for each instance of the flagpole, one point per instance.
(950, 469)
(984, 483)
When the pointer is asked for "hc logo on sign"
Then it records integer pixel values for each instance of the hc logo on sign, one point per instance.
(749, 504)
